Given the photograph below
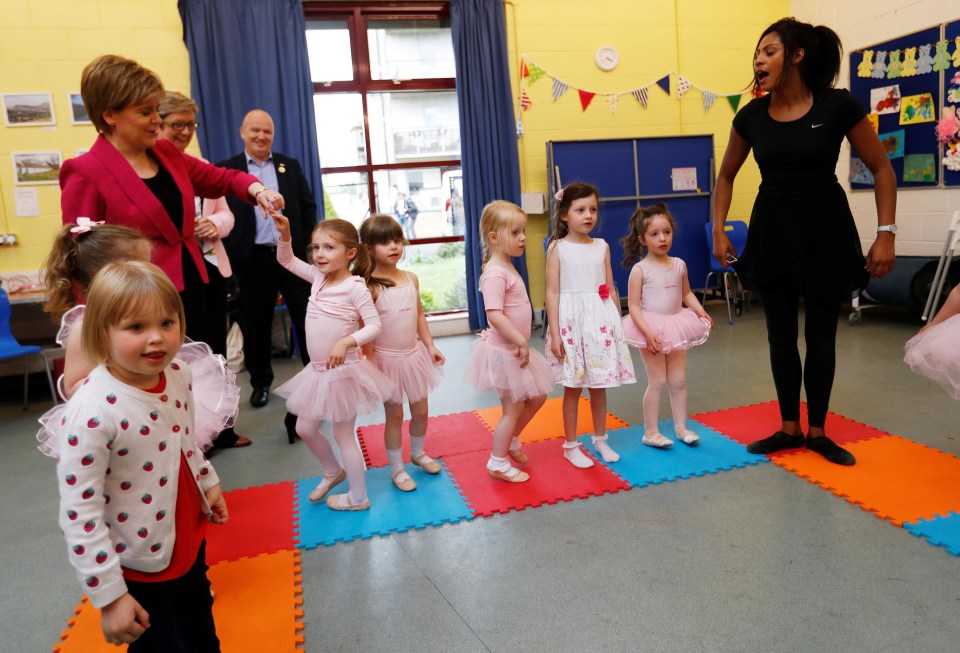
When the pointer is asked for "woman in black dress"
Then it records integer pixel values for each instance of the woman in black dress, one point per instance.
(802, 241)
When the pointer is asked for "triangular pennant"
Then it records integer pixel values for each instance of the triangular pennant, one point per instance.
(734, 101)
(524, 72)
(708, 98)
(641, 95)
(664, 83)
(558, 89)
(612, 101)
(682, 85)
(536, 72)
(585, 98)
(525, 100)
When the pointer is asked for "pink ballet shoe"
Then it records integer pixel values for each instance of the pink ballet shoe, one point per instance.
(429, 465)
(517, 455)
(513, 475)
(342, 502)
(402, 480)
(327, 484)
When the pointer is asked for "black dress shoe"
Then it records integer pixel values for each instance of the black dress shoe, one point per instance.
(260, 397)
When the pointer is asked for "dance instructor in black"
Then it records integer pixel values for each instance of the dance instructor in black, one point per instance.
(802, 241)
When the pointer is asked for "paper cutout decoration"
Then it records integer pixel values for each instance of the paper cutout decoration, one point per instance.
(942, 60)
(708, 100)
(916, 109)
(909, 62)
(559, 88)
(525, 100)
(894, 67)
(956, 53)
(925, 63)
(885, 99)
(734, 101)
(664, 83)
(683, 179)
(919, 167)
(874, 122)
(893, 143)
(953, 93)
(683, 85)
(585, 98)
(612, 101)
(866, 66)
(536, 72)
(859, 172)
(641, 95)
(879, 65)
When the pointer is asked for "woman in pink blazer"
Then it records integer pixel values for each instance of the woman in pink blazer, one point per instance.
(129, 177)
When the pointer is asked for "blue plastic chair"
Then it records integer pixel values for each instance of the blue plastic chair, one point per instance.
(10, 348)
(736, 231)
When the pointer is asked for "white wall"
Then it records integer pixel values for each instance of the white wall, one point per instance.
(922, 215)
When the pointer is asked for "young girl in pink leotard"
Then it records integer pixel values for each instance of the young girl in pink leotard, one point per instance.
(412, 364)
(338, 384)
(502, 359)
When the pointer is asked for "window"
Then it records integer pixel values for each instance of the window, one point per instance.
(388, 130)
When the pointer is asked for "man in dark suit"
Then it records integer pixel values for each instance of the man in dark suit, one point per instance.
(252, 248)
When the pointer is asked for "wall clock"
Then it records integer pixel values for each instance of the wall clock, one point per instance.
(607, 58)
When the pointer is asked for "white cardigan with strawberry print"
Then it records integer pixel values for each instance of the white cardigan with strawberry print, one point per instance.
(119, 466)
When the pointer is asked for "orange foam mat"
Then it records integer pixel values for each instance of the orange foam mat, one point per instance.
(258, 600)
(894, 478)
(548, 422)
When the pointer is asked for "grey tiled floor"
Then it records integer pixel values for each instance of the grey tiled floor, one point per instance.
(751, 560)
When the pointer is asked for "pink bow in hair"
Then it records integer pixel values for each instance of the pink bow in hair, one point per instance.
(559, 195)
(84, 225)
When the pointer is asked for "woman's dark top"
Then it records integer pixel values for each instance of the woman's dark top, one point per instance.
(801, 228)
(164, 188)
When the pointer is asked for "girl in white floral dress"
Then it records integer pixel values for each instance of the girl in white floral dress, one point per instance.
(585, 343)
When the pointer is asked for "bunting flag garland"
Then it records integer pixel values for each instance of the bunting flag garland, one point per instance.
(525, 100)
(524, 72)
(708, 99)
(734, 101)
(558, 89)
(536, 72)
(585, 98)
(612, 101)
(641, 95)
(682, 85)
(664, 83)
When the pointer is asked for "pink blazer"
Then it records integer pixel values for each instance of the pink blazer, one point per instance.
(101, 185)
(218, 212)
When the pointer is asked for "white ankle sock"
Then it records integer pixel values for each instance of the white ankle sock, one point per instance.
(573, 453)
(395, 456)
(608, 454)
(498, 464)
(416, 444)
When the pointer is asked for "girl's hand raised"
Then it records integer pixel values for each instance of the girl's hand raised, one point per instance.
(282, 224)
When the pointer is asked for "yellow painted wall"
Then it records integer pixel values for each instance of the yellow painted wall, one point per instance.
(710, 42)
(44, 46)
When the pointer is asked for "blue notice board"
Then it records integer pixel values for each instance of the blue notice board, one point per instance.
(951, 33)
(635, 172)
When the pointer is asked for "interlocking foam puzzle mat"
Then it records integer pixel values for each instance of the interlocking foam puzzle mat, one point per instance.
(257, 600)
(254, 559)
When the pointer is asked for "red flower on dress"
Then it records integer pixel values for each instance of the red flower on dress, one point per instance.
(604, 291)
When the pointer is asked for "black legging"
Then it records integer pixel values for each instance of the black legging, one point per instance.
(781, 307)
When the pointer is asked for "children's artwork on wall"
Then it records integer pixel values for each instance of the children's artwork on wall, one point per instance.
(34, 168)
(874, 122)
(28, 109)
(919, 167)
(893, 143)
(885, 99)
(78, 113)
(859, 172)
(917, 108)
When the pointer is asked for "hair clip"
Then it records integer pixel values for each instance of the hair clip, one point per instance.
(559, 195)
(84, 225)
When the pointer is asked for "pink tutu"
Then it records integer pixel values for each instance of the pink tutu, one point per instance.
(413, 372)
(216, 396)
(935, 354)
(355, 388)
(496, 367)
(677, 332)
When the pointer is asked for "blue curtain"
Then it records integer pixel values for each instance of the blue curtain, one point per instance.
(491, 168)
(252, 54)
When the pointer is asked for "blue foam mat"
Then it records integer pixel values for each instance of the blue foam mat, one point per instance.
(939, 531)
(435, 501)
(641, 465)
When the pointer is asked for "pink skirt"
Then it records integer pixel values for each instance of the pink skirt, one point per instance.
(355, 388)
(677, 332)
(935, 354)
(496, 367)
(413, 373)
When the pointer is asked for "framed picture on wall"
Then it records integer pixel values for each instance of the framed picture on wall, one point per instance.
(36, 168)
(28, 109)
(78, 112)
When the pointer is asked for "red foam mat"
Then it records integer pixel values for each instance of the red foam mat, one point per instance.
(261, 521)
(446, 435)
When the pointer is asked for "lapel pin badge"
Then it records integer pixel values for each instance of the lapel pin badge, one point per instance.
(281, 168)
